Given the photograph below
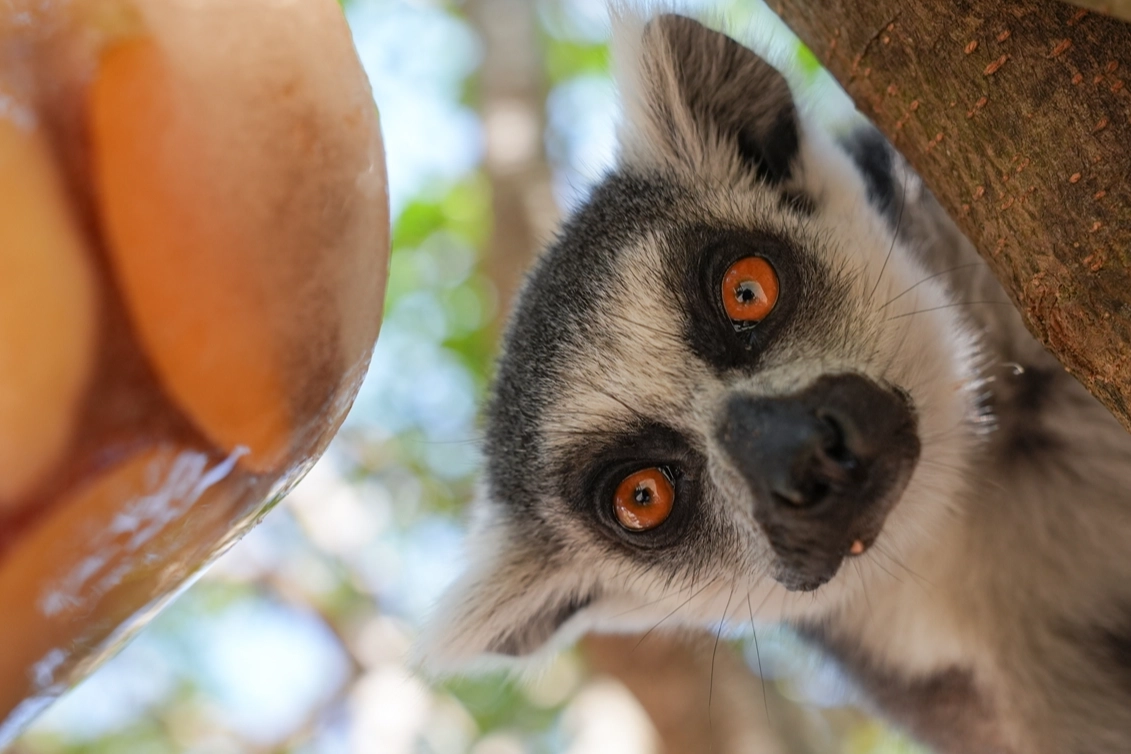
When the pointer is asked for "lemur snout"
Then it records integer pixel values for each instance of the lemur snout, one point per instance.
(825, 465)
(806, 453)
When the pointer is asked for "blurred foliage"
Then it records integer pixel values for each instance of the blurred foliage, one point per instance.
(496, 701)
(463, 210)
(567, 59)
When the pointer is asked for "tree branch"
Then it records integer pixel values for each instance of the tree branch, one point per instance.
(1117, 8)
(1017, 114)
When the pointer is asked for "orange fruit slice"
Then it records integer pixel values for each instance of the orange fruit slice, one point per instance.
(47, 310)
(108, 547)
(185, 255)
(239, 173)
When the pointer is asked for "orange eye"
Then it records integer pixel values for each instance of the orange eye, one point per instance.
(644, 500)
(750, 290)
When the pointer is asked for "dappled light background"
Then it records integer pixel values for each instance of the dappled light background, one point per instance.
(496, 120)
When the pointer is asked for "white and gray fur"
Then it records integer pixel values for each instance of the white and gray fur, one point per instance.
(992, 610)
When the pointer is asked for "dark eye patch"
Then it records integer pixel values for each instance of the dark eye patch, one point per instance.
(704, 255)
(591, 471)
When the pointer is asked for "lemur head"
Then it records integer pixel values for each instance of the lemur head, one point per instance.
(722, 381)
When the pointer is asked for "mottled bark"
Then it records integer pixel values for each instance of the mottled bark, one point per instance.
(1018, 116)
(1117, 8)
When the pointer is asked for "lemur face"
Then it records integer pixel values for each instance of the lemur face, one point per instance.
(723, 382)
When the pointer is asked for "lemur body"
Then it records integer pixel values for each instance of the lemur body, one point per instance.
(886, 461)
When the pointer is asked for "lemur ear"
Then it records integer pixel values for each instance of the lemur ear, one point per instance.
(510, 603)
(698, 100)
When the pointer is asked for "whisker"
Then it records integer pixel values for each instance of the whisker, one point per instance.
(921, 580)
(880, 565)
(621, 402)
(714, 652)
(863, 586)
(898, 349)
(758, 654)
(673, 612)
(956, 268)
(894, 236)
(947, 306)
(650, 602)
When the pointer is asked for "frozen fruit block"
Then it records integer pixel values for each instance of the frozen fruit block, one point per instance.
(97, 556)
(47, 310)
(181, 253)
(239, 175)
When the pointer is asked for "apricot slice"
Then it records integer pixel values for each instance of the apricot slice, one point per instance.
(130, 533)
(181, 255)
(238, 171)
(47, 310)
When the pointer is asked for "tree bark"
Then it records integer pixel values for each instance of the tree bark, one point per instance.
(1117, 8)
(1017, 114)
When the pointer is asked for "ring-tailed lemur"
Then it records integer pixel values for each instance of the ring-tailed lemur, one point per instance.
(761, 372)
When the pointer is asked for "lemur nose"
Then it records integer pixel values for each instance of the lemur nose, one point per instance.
(803, 448)
(806, 454)
(822, 464)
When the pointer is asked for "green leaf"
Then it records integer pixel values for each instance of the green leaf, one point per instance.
(566, 60)
(416, 222)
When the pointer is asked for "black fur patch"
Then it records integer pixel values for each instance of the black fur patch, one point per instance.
(731, 91)
(1111, 648)
(874, 158)
(770, 153)
(551, 316)
(530, 637)
(796, 201)
(1019, 402)
(810, 302)
(1032, 389)
(593, 468)
(1118, 645)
